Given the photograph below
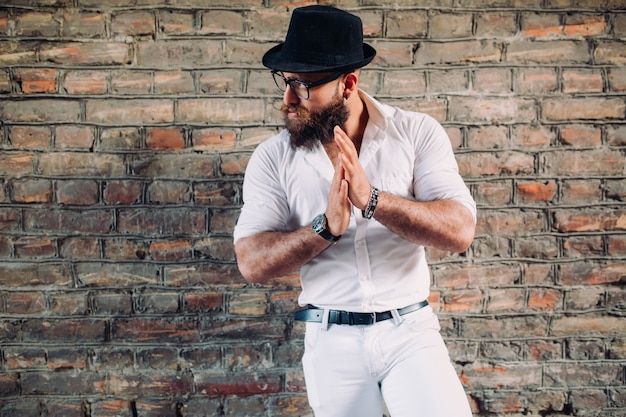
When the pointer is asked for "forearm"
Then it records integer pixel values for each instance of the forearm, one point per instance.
(271, 254)
(442, 224)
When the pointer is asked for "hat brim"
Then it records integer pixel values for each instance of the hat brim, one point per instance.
(274, 59)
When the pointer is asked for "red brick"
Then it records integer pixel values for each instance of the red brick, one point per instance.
(581, 135)
(488, 137)
(62, 383)
(67, 358)
(122, 192)
(475, 276)
(582, 81)
(484, 376)
(36, 24)
(536, 81)
(472, 109)
(64, 330)
(112, 304)
(537, 247)
(80, 137)
(40, 110)
(171, 250)
(155, 330)
(94, 274)
(78, 23)
(541, 24)
(585, 25)
(545, 299)
(77, 192)
(243, 385)
(497, 193)
(526, 51)
(610, 52)
(162, 222)
(444, 25)
(31, 191)
(33, 275)
(531, 192)
(131, 82)
(111, 408)
(493, 81)
(29, 247)
(81, 164)
(580, 246)
(496, 24)
(448, 81)
(217, 248)
(205, 275)
(173, 22)
(457, 52)
(525, 136)
(87, 53)
(87, 221)
(135, 111)
(581, 191)
(404, 83)
(213, 139)
(165, 138)
(25, 357)
(68, 304)
(617, 245)
(585, 273)
(123, 138)
(202, 301)
(495, 163)
(617, 79)
(38, 80)
(30, 137)
(173, 82)
(85, 82)
(545, 350)
(177, 53)
(469, 301)
(585, 162)
(133, 23)
(234, 164)
(590, 220)
(20, 303)
(224, 22)
(410, 24)
(219, 110)
(5, 81)
(510, 222)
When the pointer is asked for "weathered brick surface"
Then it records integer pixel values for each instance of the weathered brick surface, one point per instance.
(125, 131)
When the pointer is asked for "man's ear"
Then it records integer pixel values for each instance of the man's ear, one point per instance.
(351, 83)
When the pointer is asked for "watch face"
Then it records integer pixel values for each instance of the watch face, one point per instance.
(319, 223)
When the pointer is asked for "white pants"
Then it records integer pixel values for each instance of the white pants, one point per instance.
(350, 369)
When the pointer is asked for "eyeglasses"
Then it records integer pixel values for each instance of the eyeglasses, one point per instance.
(301, 88)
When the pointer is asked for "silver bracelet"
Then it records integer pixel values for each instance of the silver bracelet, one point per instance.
(368, 212)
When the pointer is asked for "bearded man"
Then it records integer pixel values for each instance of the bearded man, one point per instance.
(350, 193)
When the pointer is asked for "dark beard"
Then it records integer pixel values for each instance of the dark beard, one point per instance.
(309, 129)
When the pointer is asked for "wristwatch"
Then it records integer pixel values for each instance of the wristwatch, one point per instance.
(320, 226)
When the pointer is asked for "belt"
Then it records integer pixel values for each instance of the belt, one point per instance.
(315, 314)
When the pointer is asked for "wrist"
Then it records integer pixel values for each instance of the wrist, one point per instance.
(370, 208)
(320, 226)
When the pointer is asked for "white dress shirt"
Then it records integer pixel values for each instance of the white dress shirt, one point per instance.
(371, 269)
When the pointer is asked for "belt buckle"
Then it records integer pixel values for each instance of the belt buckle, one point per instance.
(362, 318)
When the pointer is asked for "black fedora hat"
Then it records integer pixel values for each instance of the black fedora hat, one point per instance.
(321, 39)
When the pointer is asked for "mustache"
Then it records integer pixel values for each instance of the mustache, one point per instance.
(300, 111)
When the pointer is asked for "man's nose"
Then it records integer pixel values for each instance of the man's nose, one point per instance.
(289, 96)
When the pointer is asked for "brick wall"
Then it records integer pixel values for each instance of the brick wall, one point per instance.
(125, 131)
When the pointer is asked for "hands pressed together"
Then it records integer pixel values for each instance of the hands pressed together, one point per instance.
(350, 186)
